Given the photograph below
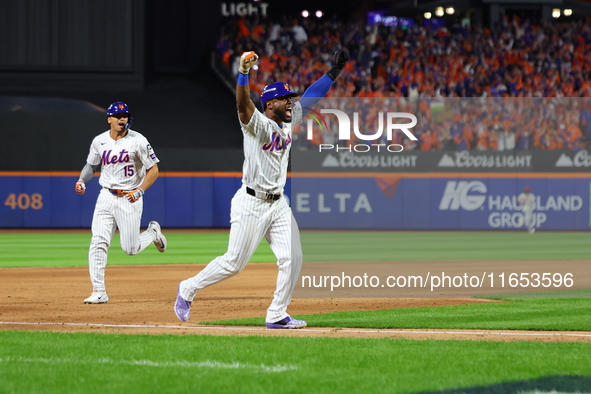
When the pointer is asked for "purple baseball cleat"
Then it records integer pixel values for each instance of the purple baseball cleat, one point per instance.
(289, 322)
(182, 307)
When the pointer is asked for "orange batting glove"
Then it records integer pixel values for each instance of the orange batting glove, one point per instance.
(80, 187)
(247, 60)
(135, 195)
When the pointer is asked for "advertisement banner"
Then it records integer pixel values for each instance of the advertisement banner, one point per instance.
(340, 202)
(440, 203)
(560, 161)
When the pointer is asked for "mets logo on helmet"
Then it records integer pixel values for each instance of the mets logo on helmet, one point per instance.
(286, 86)
(121, 107)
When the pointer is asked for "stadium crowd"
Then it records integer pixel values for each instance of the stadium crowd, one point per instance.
(543, 65)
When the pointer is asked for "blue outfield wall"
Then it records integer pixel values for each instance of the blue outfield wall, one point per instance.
(441, 202)
(174, 201)
(408, 201)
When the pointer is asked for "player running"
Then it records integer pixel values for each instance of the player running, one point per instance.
(527, 201)
(128, 168)
(259, 208)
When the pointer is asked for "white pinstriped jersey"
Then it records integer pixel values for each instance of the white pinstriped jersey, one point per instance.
(124, 162)
(527, 201)
(266, 151)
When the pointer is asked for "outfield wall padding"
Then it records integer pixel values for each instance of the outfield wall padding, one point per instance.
(357, 201)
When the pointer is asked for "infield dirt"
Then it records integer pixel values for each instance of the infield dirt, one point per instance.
(142, 298)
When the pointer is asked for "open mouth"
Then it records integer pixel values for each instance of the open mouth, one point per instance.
(288, 112)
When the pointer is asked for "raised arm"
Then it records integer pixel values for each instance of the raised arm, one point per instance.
(244, 104)
(321, 87)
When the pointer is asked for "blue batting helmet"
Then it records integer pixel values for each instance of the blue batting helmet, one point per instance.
(276, 90)
(120, 108)
(117, 108)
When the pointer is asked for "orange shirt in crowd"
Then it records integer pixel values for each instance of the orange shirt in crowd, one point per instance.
(226, 58)
(244, 31)
(428, 141)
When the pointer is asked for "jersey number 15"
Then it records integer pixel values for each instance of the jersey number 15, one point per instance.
(128, 170)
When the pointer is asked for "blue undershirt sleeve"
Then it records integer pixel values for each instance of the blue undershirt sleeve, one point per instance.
(314, 93)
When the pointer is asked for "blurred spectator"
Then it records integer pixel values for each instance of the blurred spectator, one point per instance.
(483, 139)
(428, 140)
(507, 140)
(524, 140)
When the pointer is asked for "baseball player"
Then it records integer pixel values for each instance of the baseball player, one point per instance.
(128, 168)
(527, 201)
(259, 208)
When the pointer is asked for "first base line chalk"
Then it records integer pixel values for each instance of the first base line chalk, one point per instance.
(343, 331)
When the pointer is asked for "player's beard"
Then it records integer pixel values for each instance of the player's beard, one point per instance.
(282, 114)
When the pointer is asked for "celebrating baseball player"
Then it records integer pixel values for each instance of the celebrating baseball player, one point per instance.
(528, 201)
(128, 168)
(259, 208)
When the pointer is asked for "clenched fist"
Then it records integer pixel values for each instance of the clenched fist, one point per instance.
(80, 187)
(341, 57)
(247, 60)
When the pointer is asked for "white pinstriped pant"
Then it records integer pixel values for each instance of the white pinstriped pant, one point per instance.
(110, 212)
(528, 216)
(252, 219)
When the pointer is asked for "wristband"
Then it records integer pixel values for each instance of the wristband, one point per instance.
(242, 79)
(334, 72)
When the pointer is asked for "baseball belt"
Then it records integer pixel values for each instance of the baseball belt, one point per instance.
(116, 192)
(263, 195)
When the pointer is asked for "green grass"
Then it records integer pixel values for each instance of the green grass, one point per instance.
(523, 314)
(576, 293)
(100, 363)
(71, 249)
(437, 246)
(33, 362)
